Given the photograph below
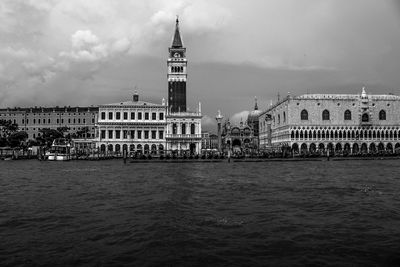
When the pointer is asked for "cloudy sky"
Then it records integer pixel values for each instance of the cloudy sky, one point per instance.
(75, 52)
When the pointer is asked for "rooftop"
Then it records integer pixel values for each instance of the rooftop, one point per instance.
(133, 103)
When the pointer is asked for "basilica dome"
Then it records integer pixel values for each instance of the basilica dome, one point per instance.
(253, 115)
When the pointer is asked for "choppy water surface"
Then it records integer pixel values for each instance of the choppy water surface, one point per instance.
(200, 214)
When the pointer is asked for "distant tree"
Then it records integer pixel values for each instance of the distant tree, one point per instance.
(8, 127)
(63, 130)
(47, 136)
(17, 139)
(32, 142)
(10, 136)
(3, 141)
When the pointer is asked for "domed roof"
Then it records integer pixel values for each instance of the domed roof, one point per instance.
(253, 115)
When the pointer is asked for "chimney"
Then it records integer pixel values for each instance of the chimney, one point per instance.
(135, 97)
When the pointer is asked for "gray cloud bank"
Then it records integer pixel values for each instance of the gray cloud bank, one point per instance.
(91, 52)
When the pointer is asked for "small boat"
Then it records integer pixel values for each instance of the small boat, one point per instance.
(60, 150)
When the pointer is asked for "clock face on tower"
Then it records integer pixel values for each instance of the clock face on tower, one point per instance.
(177, 54)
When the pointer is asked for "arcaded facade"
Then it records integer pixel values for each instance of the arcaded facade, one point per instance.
(316, 123)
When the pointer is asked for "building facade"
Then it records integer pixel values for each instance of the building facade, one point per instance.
(239, 138)
(135, 126)
(32, 120)
(317, 123)
(209, 141)
(183, 134)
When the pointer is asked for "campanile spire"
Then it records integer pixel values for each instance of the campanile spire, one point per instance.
(177, 41)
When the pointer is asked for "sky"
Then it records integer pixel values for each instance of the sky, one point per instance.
(70, 52)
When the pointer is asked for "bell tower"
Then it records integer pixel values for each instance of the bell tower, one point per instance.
(177, 74)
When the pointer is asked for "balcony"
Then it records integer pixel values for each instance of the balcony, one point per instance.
(183, 136)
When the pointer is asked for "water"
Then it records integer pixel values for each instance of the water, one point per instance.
(202, 214)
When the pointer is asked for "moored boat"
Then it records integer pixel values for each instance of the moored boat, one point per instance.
(60, 150)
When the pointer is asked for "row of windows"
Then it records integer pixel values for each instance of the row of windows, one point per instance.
(133, 115)
(44, 114)
(347, 115)
(34, 129)
(183, 128)
(48, 121)
(88, 135)
(177, 69)
(139, 147)
(132, 134)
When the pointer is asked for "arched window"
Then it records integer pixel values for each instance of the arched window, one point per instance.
(284, 117)
(304, 115)
(347, 115)
(382, 115)
(325, 115)
(365, 117)
(279, 118)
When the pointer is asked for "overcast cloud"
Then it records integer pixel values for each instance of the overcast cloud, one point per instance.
(71, 52)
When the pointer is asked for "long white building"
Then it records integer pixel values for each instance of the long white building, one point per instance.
(314, 123)
(135, 126)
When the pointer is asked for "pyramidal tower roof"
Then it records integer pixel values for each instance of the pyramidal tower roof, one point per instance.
(177, 42)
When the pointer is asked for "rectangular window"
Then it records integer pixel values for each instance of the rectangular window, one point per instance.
(146, 134)
(192, 128)
(153, 134)
(117, 134)
(132, 134)
(146, 116)
(153, 116)
(139, 115)
(132, 115)
(92, 120)
(174, 128)
(79, 120)
(161, 116)
(139, 134)
(62, 120)
(84, 120)
(110, 134)
(125, 134)
(118, 116)
(23, 121)
(48, 121)
(125, 115)
(183, 128)
(161, 135)
(103, 134)
(110, 115)
(103, 115)
(58, 121)
(27, 121)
